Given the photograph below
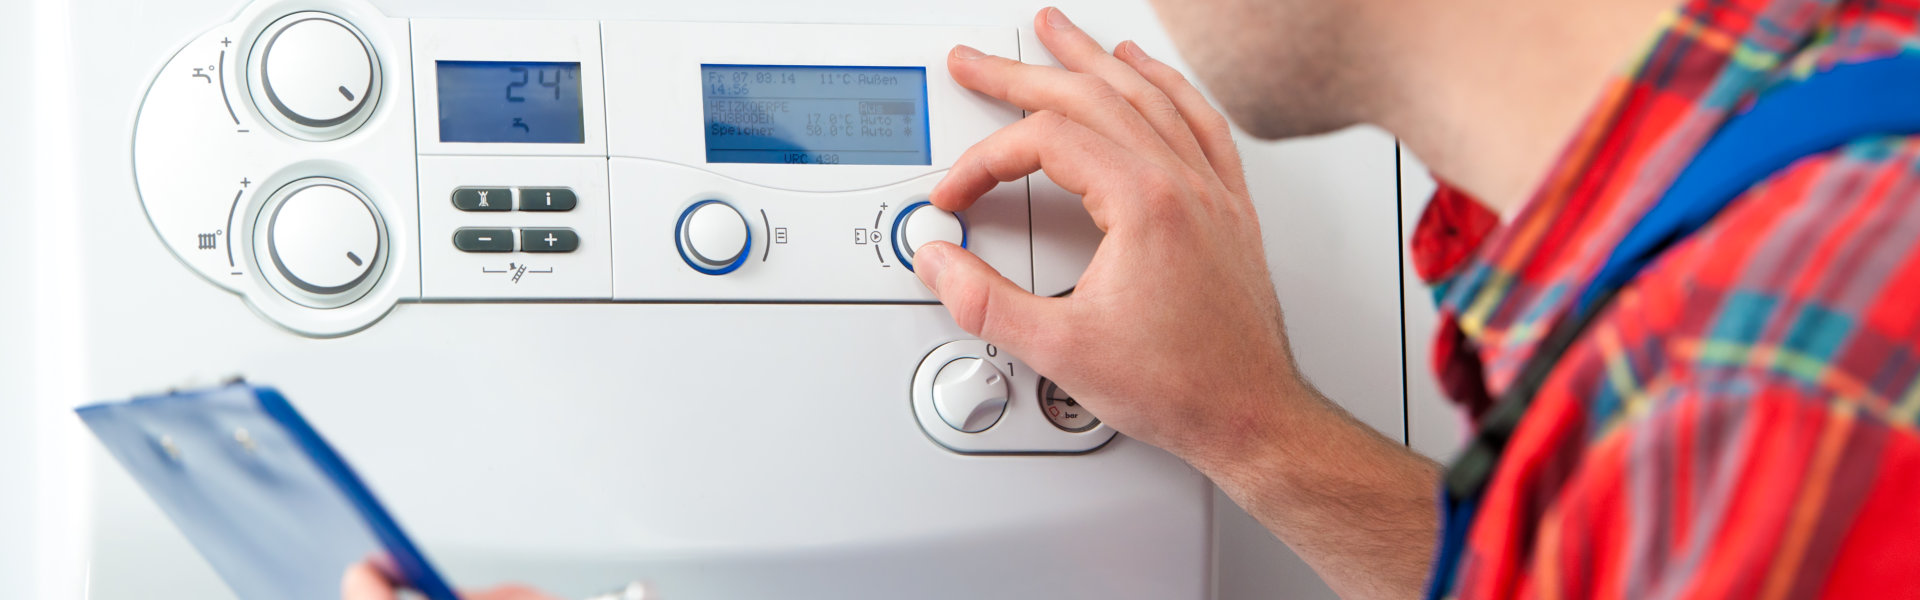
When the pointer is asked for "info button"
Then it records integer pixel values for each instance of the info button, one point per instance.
(547, 199)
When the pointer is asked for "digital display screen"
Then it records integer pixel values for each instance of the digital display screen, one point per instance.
(510, 102)
(816, 115)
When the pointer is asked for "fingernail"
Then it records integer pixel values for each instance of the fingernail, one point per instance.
(1058, 19)
(939, 187)
(1133, 50)
(965, 52)
(927, 264)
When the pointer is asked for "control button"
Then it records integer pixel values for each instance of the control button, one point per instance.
(475, 239)
(970, 394)
(549, 240)
(323, 239)
(317, 73)
(714, 238)
(920, 223)
(547, 199)
(1063, 411)
(483, 199)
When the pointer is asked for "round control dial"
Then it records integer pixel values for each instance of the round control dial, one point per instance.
(314, 76)
(920, 223)
(323, 240)
(1063, 411)
(971, 397)
(970, 394)
(714, 239)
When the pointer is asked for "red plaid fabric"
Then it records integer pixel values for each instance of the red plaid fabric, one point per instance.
(1740, 422)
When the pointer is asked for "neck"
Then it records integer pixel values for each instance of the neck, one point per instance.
(1488, 92)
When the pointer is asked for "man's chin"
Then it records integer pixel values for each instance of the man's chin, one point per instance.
(1268, 124)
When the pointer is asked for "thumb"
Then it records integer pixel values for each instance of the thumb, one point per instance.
(988, 305)
(506, 592)
(363, 582)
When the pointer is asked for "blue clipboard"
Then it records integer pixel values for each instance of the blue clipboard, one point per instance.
(263, 498)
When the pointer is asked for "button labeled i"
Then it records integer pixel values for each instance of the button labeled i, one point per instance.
(547, 199)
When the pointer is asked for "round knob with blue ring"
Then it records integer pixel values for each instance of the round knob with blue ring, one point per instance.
(922, 222)
(713, 238)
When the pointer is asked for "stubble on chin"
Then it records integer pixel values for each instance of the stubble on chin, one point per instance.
(1277, 68)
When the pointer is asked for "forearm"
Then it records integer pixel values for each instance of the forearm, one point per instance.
(1357, 506)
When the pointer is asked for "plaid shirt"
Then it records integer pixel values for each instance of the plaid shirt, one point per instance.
(1740, 422)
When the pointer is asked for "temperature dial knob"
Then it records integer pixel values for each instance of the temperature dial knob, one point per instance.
(322, 242)
(714, 238)
(970, 394)
(1063, 411)
(920, 223)
(314, 76)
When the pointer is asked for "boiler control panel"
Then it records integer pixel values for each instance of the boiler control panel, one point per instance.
(326, 162)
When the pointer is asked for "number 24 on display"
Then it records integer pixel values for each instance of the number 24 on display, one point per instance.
(514, 94)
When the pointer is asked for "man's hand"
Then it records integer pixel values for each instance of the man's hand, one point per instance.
(1174, 334)
(365, 581)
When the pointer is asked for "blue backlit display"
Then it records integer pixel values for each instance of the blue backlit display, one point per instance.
(510, 102)
(816, 115)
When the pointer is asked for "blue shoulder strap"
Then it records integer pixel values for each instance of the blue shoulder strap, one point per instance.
(1826, 111)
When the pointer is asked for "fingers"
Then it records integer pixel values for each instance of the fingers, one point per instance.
(1080, 53)
(1205, 123)
(1080, 96)
(988, 305)
(506, 592)
(1073, 155)
(363, 582)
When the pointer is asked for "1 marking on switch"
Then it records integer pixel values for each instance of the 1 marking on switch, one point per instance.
(344, 92)
(355, 259)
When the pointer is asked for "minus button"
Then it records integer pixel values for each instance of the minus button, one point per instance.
(476, 239)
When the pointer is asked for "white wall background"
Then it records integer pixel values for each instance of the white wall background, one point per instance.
(41, 529)
(1327, 208)
(16, 303)
(1435, 427)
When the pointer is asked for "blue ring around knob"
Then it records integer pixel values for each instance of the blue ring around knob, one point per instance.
(901, 219)
(680, 240)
